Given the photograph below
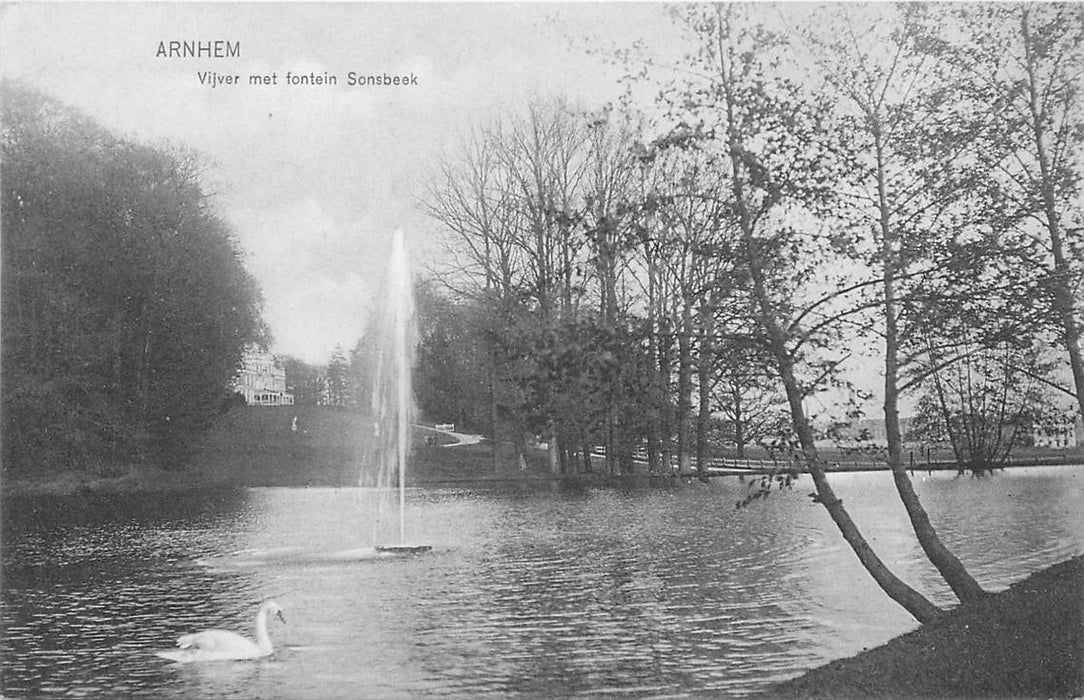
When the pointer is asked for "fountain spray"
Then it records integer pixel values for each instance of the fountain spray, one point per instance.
(392, 400)
(402, 288)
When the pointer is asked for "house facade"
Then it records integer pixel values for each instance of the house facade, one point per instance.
(1061, 435)
(261, 380)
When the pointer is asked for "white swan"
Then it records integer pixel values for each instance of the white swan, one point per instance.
(222, 645)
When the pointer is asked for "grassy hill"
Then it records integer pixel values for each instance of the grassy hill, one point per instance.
(255, 446)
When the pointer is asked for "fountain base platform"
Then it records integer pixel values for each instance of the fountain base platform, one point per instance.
(403, 548)
(293, 556)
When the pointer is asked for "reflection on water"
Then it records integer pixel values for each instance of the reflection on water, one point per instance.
(542, 592)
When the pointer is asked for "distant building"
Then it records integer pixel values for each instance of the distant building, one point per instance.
(261, 381)
(1059, 435)
(869, 432)
(1068, 430)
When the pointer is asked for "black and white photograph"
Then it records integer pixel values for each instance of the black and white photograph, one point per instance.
(374, 350)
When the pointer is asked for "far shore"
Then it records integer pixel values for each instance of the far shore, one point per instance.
(133, 479)
(259, 447)
(143, 479)
(136, 479)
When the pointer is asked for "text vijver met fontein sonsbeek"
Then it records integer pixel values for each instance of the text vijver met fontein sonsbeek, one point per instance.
(214, 79)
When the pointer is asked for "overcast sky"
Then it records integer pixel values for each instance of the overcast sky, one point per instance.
(315, 179)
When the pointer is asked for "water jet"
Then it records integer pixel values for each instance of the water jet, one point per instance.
(391, 397)
(382, 470)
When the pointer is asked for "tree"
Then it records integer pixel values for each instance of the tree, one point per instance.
(538, 215)
(451, 382)
(606, 220)
(472, 199)
(1026, 61)
(126, 304)
(985, 404)
(339, 387)
(769, 134)
(303, 381)
(543, 154)
(907, 153)
(747, 394)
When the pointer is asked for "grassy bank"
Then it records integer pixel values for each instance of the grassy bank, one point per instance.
(1026, 641)
(258, 447)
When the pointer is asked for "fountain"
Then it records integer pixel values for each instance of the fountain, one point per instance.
(391, 396)
(382, 472)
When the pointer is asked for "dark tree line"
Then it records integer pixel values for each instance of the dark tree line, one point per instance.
(125, 301)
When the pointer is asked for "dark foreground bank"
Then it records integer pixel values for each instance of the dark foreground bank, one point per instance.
(1027, 641)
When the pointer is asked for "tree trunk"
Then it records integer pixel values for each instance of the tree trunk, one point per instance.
(739, 423)
(494, 413)
(704, 364)
(653, 417)
(910, 599)
(662, 392)
(552, 447)
(684, 388)
(950, 567)
(1064, 305)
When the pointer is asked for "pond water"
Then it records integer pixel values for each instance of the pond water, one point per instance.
(540, 591)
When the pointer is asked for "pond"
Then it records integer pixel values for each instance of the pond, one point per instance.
(538, 590)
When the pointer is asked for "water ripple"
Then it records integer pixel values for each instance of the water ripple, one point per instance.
(652, 593)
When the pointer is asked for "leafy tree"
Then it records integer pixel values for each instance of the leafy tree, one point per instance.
(985, 404)
(303, 381)
(908, 148)
(747, 394)
(1025, 61)
(773, 141)
(339, 384)
(126, 304)
(450, 384)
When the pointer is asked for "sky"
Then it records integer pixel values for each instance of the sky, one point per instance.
(315, 179)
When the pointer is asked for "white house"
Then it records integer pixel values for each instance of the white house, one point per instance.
(261, 381)
(1059, 436)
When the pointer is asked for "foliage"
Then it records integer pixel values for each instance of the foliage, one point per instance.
(536, 208)
(901, 180)
(748, 395)
(339, 384)
(451, 382)
(985, 404)
(1026, 62)
(125, 302)
(305, 381)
